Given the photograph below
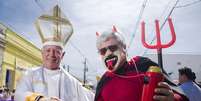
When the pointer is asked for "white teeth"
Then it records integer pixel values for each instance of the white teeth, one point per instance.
(111, 59)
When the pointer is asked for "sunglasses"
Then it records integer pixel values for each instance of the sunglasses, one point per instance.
(112, 48)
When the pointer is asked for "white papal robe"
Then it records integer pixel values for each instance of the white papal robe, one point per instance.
(56, 83)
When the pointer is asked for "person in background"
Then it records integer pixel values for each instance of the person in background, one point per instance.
(187, 84)
(193, 79)
(199, 84)
(1, 93)
(124, 80)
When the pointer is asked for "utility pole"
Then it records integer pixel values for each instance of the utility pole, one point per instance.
(68, 68)
(85, 70)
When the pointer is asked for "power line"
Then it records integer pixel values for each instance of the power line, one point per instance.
(40, 6)
(189, 4)
(138, 22)
(166, 7)
(79, 51)
(163, 24)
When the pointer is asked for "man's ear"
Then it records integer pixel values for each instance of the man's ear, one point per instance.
(124, 48)
(63, 55)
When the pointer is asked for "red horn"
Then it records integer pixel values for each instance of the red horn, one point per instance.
(114, 29)
(97, 34)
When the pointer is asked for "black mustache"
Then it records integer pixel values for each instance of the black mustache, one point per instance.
(109, 57)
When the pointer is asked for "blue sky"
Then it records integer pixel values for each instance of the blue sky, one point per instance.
(89, 16)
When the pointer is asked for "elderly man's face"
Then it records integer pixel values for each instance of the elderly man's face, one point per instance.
(52, 56)
(112, 53)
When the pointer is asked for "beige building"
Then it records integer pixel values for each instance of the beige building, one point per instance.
(16, 55)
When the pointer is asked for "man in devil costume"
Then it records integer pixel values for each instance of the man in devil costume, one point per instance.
(124, 80)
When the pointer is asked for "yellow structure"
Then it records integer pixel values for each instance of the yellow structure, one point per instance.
(18, 55)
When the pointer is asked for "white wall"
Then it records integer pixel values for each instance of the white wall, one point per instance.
(172, 62)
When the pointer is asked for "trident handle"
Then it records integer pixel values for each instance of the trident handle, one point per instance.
(158, 44)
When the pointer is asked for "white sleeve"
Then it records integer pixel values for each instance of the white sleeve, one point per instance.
(77, 91)
(83, 93)
(23, 88)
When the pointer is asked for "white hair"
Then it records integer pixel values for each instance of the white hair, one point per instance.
(110, 34)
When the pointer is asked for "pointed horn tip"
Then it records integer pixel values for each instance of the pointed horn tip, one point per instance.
(114, 29)
(97, 34)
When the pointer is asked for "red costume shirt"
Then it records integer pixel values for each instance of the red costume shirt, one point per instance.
(127, 82)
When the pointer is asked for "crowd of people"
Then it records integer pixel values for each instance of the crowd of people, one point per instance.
(6, 94)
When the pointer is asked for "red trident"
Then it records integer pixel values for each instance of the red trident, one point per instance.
(159, 45)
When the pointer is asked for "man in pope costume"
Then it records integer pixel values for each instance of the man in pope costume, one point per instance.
(50, 82)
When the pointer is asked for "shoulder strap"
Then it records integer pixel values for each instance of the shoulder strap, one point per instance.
(142, 63)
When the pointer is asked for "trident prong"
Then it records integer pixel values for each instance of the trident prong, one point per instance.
(158, 44)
